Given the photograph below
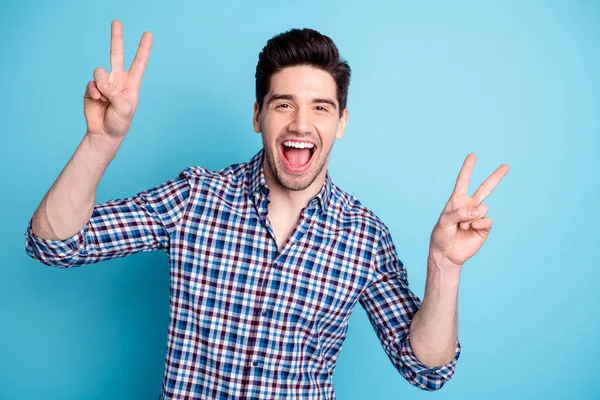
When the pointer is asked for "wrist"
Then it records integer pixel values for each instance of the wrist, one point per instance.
(439, 264)
(100, 149)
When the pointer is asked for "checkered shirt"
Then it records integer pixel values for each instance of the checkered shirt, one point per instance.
(248, 321)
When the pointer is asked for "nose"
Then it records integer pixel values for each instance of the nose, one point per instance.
(301, 121)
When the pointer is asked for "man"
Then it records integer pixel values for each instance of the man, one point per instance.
(268, 258)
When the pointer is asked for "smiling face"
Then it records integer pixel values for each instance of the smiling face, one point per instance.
(299, 121)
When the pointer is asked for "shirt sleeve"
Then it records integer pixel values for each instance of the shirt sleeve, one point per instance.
(390, 306)
(117, 228)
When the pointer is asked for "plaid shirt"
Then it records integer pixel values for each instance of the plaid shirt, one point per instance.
(248, 321)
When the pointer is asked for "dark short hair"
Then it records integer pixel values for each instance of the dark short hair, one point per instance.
(301, 47)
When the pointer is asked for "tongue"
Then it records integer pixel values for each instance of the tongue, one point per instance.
(296, 157)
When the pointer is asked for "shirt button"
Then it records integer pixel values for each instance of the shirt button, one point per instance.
(275, 265)
(264, 312)
(255, 363)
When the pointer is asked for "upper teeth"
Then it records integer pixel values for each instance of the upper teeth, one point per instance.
(299, 145)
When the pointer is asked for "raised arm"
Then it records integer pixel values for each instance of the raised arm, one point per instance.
(110, 102)
(68, 229)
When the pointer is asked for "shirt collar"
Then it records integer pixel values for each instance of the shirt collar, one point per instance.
(256, 176)
(258, 185)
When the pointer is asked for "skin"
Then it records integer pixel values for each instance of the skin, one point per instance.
(108, 110)
(301, 105)
(461, 230)
(110, 102)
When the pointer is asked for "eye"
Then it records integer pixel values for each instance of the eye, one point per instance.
(283, 105)
(321, 108)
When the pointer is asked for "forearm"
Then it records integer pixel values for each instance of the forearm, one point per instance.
(434, 328)
(69, 203)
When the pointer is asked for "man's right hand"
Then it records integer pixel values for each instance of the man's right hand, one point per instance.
(110, 100)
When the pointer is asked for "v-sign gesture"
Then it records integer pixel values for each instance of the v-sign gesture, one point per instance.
(111, 100)
(463, 226)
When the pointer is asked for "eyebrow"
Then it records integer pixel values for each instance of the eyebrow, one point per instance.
(292, 97)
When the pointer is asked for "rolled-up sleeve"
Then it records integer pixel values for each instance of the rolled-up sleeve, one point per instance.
(117, 228)
(390, 306)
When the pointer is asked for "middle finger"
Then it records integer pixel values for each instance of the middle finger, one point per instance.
(490, 183)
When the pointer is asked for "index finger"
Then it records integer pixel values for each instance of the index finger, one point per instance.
(490, 183)
(141, 58)
(464, 176)
(116, 46)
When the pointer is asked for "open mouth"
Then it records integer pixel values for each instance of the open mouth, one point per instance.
(297, 155)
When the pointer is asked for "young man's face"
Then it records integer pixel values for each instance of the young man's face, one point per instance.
(299, 121)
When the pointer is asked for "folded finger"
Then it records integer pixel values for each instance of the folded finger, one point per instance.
(100, 74)
(482, 224)
(463, 214)
(119, 102)
(483, 210)
(91, 92)
(102, 97)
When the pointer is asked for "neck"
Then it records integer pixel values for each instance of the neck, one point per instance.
(292, 199)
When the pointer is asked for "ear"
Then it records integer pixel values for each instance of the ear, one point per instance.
(256, 118)
(342, 125)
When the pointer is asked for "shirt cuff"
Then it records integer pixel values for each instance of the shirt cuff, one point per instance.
(49, 249)
(408, 358)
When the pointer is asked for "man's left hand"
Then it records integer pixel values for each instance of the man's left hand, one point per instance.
(463, 225)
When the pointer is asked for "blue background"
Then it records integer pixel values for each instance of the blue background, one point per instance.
(515, 82)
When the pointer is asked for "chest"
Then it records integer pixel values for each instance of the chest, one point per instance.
(282, 225)
(229, 263)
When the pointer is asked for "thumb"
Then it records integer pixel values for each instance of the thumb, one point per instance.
(115, 96)
(463, 214)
